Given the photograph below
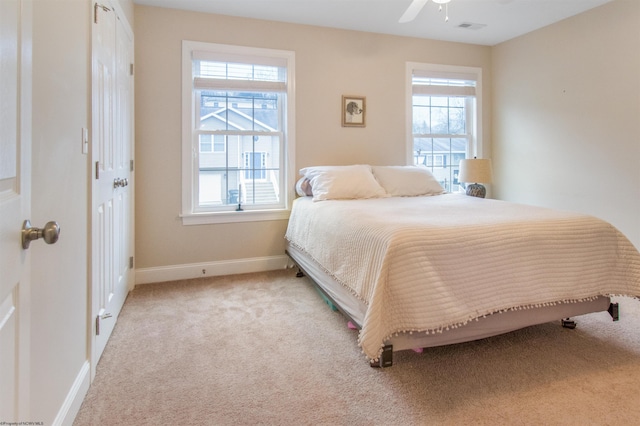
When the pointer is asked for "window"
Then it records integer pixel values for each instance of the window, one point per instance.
(237, 146)
(444, 118)
(212, 143)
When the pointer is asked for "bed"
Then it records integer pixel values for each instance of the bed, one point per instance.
(412, 266)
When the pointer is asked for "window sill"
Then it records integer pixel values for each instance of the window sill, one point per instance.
(234, 217)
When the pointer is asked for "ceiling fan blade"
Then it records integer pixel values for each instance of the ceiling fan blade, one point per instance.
(412, 11)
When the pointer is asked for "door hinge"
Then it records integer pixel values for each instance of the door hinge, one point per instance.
(131, 69)
(130, 165)
(131, 262)
(101, 317)
(97, 170)
(97, 6)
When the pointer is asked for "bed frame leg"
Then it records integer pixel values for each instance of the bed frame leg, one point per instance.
(386, 358)
(300, 274)
(614, 311)
(569, 323)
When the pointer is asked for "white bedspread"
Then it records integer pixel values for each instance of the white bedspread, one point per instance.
(425, 264)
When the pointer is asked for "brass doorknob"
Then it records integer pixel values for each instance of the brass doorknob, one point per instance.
(50, 233)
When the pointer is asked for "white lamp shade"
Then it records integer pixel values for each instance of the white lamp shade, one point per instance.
(477, 170)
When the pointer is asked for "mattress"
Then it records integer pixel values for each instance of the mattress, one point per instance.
(424, 265)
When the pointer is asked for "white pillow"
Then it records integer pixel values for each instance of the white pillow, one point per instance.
(342, 182)
(407, 181)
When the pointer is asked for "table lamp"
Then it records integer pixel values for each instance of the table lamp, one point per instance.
(476, 170)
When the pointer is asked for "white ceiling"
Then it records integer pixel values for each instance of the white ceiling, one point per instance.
(503, 19)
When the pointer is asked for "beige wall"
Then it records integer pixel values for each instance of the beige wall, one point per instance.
(566, 112)
(329, 63)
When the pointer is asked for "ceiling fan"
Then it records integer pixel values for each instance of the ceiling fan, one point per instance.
(416, 6)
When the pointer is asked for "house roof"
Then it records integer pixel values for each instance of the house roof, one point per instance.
(229, 118)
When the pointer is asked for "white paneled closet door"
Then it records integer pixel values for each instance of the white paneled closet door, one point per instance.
(112, 162)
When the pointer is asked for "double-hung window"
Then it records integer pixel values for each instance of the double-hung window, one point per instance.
(444, 116)
(237, 143)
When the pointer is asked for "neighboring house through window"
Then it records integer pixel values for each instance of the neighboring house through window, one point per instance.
(237, 133)
(444, 118)
(212, 143)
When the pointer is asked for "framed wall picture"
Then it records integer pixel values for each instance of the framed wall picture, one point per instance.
(354, 110)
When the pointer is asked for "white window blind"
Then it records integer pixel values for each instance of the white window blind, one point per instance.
(227, 71)
(207, 83)
(441, 83)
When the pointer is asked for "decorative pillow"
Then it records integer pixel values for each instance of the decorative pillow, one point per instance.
(342, 182)
(407, 181)
(303, 187)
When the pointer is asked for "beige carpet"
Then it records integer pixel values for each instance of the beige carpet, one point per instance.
(264, 349)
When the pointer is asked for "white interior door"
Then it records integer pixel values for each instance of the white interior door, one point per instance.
(112, 207)
(15, 193)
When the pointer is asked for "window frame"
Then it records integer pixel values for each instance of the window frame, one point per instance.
(190, 214)
(475, 146)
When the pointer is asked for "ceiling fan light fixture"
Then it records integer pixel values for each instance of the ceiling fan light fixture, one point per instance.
(446, 3)
(416, 6)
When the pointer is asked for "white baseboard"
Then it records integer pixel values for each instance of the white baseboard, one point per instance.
(210, 269)
(73, 401)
